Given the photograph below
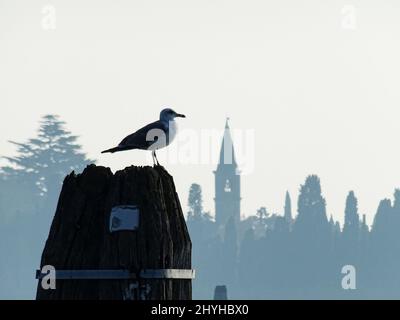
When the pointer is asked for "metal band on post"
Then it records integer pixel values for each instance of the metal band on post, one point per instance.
(178, 274)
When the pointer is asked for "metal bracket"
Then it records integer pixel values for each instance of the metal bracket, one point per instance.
(124, 217)
(182, 274)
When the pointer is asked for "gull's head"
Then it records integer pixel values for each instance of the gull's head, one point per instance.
(169, 115)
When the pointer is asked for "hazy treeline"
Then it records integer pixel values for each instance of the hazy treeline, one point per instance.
(276, 256)
(29, 189)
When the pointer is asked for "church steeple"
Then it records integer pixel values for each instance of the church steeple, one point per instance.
(227, 182)
(227, 152)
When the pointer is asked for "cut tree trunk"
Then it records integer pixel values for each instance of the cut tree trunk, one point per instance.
(80, 238)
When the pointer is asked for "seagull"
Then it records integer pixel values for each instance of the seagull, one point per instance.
(154, 136)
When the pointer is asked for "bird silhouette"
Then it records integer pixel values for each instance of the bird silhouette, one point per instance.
(153, 136)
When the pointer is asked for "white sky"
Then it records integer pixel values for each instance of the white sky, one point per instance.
(320, 98)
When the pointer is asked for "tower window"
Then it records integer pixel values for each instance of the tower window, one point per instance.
(227, 186)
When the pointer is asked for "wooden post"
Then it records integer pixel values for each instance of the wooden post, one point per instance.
(80, 238)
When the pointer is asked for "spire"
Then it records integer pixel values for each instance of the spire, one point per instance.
(227, 123)
(364, 226)
(364, 222)
(288, 208)
(227, 152)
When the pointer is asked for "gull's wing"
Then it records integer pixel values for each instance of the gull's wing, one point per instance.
(145, 137)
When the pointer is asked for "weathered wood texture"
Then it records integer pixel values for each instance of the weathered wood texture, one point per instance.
(79, 237)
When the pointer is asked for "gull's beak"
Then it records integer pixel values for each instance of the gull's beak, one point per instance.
(180, 115)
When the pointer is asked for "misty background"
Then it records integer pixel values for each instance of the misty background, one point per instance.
(321, 93)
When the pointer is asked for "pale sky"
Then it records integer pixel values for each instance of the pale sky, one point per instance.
(317, 82)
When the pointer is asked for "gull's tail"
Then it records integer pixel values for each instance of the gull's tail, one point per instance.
(112, 150)
(118, 148)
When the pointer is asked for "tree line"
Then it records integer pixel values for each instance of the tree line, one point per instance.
(30, 183)
(281, 257)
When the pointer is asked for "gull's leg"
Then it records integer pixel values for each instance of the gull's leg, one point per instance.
(153, 155)
(156, 158)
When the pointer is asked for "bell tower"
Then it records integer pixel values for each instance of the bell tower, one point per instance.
(227, 182)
